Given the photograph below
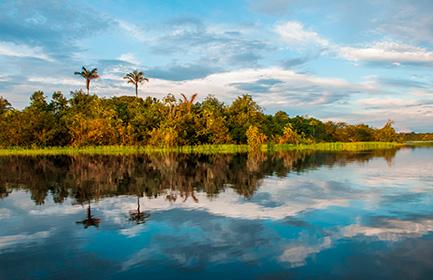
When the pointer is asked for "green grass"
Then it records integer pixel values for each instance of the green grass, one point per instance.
(420, 143)
(204, 149)
(339, 146)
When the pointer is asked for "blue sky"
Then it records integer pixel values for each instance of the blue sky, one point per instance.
(355, 61)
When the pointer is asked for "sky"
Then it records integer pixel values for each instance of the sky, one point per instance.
(343, 60)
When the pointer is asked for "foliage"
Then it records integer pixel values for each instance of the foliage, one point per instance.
(386, 133)
(4, 105)
(243, 113)
(255, 138)
(87, 120)
(289, 136)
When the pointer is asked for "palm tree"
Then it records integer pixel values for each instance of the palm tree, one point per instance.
(88, 75)
(189, 102)
(136, 78)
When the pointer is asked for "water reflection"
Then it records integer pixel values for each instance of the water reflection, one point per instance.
(139, 217)
(175, 176)
(284, 215)
(90, 220)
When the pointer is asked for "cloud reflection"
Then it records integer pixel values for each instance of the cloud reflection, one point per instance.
(23, 239)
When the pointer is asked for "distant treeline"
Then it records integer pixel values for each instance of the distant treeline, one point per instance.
(412, 136)
(86, 119)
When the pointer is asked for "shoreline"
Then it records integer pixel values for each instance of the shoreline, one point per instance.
(208, 149)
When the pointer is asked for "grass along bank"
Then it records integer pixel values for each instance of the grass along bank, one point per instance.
(204, 149)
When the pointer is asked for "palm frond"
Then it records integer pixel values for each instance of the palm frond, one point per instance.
(193, 98)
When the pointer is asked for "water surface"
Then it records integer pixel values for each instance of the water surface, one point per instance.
(257, 216)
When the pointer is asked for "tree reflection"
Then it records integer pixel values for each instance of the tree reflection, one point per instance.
(177, 177)
(4, 191)
(139, 217)
(90, 220)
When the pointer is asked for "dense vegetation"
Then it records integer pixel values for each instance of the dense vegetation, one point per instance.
(412, 136)
(87, 120)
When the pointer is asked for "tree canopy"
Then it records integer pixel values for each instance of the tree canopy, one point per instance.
(86, 119)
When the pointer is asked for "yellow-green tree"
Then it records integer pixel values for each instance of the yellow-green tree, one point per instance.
(289, 136)
(387, 133)
(255, 138)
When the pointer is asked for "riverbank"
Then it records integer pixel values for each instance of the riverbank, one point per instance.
(204, 149)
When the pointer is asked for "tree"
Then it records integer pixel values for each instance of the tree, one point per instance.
(189, 102)
(37, 122)
(86, 119)
(275, 124)
(164, 136)
(88, 76)
(243, 113)
(289, 136)
(387, 133)
(309, 128)
(255, 138)
(214, 129)
(58, 108)
(4, 105)
(135, 78)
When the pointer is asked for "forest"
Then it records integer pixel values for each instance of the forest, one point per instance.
(87, 120)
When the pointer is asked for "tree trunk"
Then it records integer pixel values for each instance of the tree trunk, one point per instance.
(136, 90)
(88, 86)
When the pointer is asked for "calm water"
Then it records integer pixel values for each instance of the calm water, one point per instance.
(288, 215)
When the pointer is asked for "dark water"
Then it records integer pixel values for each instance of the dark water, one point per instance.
(281, 216)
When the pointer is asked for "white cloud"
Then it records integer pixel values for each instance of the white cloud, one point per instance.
(389, 52)
(130, 58)
(291, 86)
(4, 78)
(21, 50)
(406, 20)
(395, 53)
(64, 81)
(295, 35)
(225, 85)
(387, 102)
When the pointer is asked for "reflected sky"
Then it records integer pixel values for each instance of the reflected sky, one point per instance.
(288, 215)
